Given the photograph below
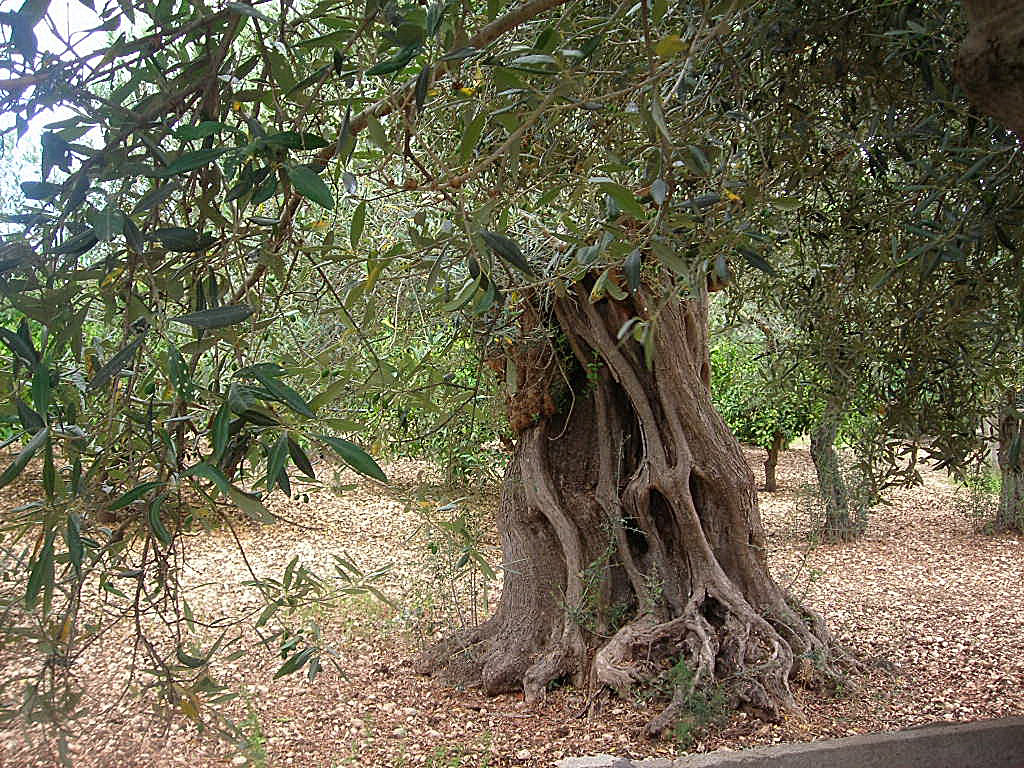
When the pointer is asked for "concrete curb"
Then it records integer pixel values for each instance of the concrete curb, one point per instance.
(981, 744)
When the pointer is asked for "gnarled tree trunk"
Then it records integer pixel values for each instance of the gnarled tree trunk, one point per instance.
(1010, 515)
(991, 62)
(838, 523)
(629, 525)
(772, 461)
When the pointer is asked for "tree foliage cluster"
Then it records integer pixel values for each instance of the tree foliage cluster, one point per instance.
(762, 405)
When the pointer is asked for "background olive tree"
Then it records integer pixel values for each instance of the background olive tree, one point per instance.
(764, 401)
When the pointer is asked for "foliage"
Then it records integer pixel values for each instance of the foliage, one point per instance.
(418, 387)
(699, 707)
(259, 229)
(903, 318)
(756, 400)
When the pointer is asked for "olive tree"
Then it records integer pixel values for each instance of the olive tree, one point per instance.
(913, 338)
(763, 401)
(573, 180)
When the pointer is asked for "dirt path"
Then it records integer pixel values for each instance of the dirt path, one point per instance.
(936, 608)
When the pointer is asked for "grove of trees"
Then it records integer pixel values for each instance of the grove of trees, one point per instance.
(261, 230)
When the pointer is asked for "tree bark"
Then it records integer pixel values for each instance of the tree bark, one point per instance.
(772, 461)
(990, 66)
(630, 532)
(838, 524)
(1010, 515)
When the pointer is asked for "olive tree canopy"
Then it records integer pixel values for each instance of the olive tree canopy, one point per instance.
(573, 180)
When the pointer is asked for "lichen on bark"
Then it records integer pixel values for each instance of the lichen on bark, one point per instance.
(838, 522)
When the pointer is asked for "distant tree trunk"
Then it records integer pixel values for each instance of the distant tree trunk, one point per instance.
(1010, 515)
(991, 62)
(838, 524)
(629, 525)
(989, 433)
(772, 461)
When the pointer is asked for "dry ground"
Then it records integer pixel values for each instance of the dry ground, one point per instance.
(935, 608)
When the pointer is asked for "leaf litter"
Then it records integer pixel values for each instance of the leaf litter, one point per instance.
(929, 603)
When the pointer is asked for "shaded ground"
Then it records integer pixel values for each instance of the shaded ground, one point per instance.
(932, 605)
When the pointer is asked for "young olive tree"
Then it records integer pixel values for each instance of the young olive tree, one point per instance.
(761, 404)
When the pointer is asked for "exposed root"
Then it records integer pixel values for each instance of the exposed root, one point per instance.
(441, 652)
(557, 662)
(739, 649)
(503, 669)
(501, 659)
(490, 656)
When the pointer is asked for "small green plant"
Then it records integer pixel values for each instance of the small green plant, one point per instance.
(978, 496)
(457, 584)
(588, 613)
(703, 705)
(593, 370)
(253, 741)
(338, 484)
(984, 482)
